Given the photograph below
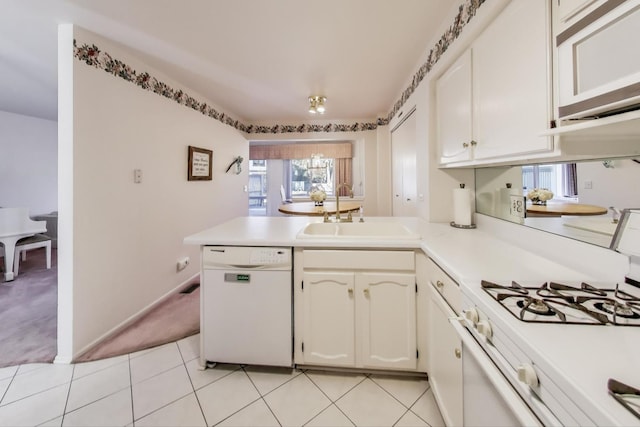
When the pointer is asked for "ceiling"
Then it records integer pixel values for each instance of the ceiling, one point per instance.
(257, 60)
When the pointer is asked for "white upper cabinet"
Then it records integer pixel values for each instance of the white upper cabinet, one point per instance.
(567, 12)
(506, 79)
(453, 106)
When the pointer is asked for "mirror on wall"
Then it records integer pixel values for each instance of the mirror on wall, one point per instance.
(586, 198)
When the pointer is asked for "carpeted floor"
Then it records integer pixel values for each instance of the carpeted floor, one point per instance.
(176, 317)
(28, 318)
(28, 311)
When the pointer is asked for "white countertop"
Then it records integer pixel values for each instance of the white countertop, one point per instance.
(579, 358)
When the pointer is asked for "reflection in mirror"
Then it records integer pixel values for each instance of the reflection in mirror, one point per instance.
(587, 196)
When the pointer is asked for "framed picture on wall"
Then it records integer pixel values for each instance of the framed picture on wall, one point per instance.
(200, 164)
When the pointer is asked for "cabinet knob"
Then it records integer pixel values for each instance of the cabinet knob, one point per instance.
(473, 143)
(366, 292)
(484, 327)
(439, 284)
(465, 145)
(350, 291)
(472, 315)
(527, 375)
(458, 353)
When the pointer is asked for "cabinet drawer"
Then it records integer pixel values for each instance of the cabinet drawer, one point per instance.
(449, 289)
(359, 260)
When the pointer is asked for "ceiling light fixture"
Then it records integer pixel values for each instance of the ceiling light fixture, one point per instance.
(316, 104)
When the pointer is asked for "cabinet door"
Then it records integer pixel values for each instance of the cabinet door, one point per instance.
(386, 320)
(403, 160)
(329, 319)
(445, 362)
(567, 12)
(453, 109)
(511, 82)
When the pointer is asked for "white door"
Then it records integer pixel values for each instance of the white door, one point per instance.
(403, 163)
(329, 330)
(386, 320)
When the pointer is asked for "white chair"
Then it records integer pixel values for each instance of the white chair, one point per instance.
(33, 242)
(283, 195)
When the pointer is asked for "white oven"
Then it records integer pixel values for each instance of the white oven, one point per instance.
(503, 322)
(598, 62)
(500, 385)
(489, 397)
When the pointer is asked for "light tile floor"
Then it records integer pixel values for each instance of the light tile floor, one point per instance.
(164, 387)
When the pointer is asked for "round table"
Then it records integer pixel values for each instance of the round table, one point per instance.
(562, 208)
(310, 209)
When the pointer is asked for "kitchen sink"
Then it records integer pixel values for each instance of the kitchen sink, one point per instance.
(357, 230)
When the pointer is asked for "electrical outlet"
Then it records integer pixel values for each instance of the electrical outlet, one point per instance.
(137, 176)
(517, 206)
(183, 263)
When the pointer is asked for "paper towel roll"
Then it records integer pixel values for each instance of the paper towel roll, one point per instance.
(462, 206)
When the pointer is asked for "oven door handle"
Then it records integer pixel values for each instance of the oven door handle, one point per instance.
(504, 388)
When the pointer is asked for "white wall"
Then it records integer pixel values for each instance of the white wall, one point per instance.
(122, 239)
(28, 163)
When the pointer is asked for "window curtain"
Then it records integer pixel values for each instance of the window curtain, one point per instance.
(569, 180)
(341, 150)
(344, 174)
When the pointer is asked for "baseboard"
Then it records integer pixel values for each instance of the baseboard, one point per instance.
(127, 322)
(62, 361)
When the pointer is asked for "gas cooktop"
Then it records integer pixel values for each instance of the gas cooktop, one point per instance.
(552, 302)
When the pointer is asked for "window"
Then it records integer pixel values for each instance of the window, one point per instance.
(257, 184)
(560, 179)
(311, 173)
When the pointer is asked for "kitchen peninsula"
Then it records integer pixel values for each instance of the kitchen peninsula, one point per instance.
(573, 386)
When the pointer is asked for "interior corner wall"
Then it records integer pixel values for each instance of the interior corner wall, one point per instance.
(28, 163)
(127, 237)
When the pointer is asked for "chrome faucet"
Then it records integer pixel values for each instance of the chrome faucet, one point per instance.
(337, 191)
(615, 213)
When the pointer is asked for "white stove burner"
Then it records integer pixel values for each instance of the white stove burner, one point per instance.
(552, 302)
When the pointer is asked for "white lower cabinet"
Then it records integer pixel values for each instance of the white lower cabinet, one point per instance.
(445, 348)
(357, 312)
(329, 319)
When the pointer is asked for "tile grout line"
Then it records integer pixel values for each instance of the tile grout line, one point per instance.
(184, 363)
(169, 403)
(13, 377)
(133, 416)
(66, 402)
(262, 396)
(425, 392)
(333, 402)
(397, 400)
(32, 394)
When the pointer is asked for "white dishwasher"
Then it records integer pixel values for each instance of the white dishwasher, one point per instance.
(246, 306)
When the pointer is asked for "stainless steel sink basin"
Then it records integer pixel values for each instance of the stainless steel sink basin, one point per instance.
(357, 230)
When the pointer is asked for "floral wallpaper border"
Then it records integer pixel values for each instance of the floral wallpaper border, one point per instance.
(93, 56)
